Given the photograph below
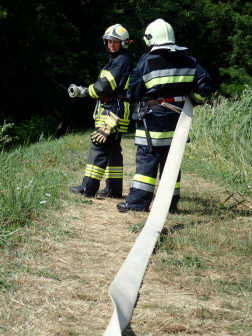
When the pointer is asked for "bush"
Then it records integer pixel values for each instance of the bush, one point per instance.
(5, 138)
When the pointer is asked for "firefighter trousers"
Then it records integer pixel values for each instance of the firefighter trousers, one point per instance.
(143, 185)
(108, 159)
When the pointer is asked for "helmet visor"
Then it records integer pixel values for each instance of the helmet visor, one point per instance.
(109, 37)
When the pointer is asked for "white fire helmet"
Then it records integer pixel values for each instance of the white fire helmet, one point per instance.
(159, 32)
(117, 33)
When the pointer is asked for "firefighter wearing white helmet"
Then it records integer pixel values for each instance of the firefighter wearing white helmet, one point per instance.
(159, 32)
(111, 117)
(166, 74)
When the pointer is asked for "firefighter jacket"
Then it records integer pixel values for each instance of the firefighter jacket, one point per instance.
(165, 74)
(111, 87)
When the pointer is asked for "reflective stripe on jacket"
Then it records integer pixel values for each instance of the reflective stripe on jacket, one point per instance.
(112, 81)
(123, 113)
(113, 77)
(164, 74)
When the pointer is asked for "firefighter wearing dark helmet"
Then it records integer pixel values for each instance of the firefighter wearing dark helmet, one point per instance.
(164, 75)
(111, 116)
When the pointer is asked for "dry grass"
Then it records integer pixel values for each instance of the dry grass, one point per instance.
(59, 273)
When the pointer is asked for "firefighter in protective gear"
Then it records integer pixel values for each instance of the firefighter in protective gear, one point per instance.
(165, 75)
(111, 116)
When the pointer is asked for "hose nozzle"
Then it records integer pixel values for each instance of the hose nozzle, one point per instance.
(77, 91)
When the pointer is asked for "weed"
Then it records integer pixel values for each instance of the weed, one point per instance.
(5, 138)
(67, 332)
(188, 261)
(83, 201)
(136, 228)
(46, 274)
(204, 298)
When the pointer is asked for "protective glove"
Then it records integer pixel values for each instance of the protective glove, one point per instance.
(77, 91)
(100, 136)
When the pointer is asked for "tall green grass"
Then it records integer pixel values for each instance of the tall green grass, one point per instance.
(35, 178)
(221, 141)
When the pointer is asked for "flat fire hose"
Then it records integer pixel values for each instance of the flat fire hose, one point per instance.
(124, 289)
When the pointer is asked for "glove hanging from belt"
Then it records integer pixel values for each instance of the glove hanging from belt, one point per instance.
(100, 136)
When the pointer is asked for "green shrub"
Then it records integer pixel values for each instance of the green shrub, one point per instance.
(5, 138)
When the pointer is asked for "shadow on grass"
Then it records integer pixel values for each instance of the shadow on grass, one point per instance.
(209, 207)
(129, 136)
(128, 331)
(118, 199)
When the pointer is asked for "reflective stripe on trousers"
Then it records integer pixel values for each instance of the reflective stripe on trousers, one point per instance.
(143, 185)
(114, 172)
(104, 159)
(157, 138)
(94, 172)
(150, 186)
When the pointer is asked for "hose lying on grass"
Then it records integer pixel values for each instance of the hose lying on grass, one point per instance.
(124, 289)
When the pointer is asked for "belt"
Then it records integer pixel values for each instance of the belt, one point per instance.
(105, 99)
(159, 101)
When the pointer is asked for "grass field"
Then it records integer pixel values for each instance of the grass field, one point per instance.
(221, 142)
(60, 251)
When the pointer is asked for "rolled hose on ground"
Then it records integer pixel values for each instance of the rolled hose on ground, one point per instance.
(124, 289)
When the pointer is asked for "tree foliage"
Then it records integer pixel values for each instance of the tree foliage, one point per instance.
(48, 45)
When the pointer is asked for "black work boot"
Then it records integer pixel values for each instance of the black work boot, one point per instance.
(123, 207)
(104, 194)
(77, 190)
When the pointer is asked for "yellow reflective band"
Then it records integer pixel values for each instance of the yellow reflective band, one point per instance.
(127, 83)
(111, 80)
(199, 97)
(101, 118)
(111, 122)
(123, 126)
(90, 171)
(114, 169)
(102, 73)
(94, 172)
(177, 185)
(126, 110)
(144, 179)
(99, 124)
(113, 175)
(124, 122)
(155, 135)
(93, 175)
(95, 168)
(168, 80)
(92, 92)
(99, 121)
